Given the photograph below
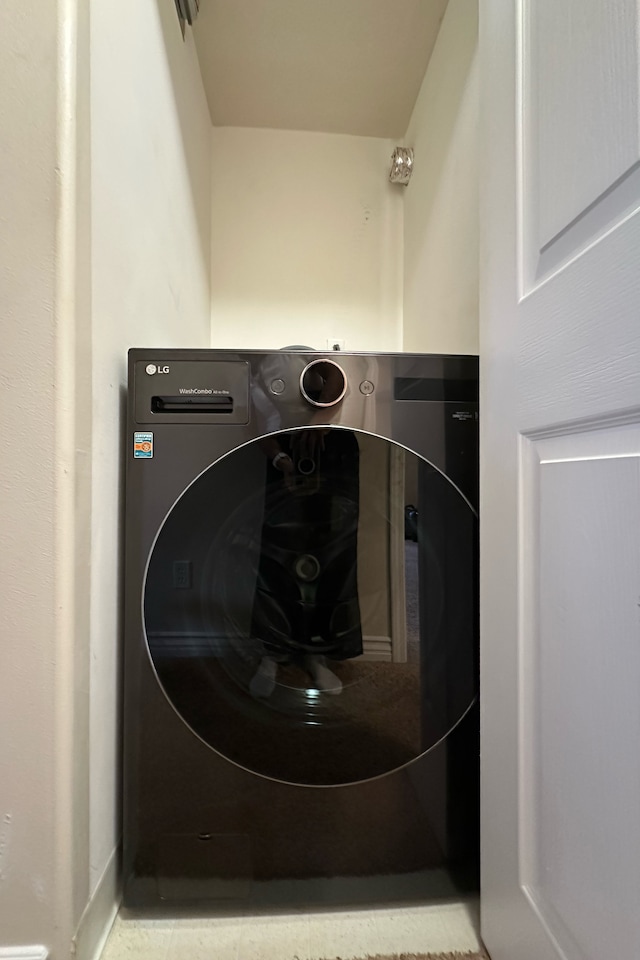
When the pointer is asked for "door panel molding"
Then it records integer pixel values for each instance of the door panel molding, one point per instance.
(579, 614)
(584, 425)
(579, 127)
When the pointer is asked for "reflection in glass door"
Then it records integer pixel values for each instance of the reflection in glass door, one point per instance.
(309, 606)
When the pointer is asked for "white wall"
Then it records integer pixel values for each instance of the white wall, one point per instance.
(151, 168)
(306, 240)
(44, 481)
(441, 201)
(27, 501)
(95, 256)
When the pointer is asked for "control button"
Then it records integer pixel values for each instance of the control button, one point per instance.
(367, 388)
(277, 387)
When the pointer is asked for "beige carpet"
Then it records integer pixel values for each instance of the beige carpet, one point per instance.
(423, 956)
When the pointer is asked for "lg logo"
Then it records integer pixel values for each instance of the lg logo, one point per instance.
(151, 369)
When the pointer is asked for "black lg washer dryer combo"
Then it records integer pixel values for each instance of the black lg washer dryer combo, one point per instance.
(301, 723)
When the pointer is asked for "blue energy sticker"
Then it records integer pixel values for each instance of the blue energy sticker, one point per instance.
(142, 445)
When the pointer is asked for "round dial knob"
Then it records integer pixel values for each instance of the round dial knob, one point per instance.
(323, 383)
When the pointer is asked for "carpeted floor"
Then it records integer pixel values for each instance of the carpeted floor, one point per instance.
(423, 956)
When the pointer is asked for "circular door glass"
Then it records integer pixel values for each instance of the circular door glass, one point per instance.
(310, 606)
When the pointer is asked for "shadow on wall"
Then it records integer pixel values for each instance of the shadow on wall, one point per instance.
(435, 122)
(185, 77)
(441, 203)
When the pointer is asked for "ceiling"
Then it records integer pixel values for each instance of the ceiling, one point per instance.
(336, 66)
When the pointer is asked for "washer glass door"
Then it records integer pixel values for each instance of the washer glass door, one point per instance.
(310, 606)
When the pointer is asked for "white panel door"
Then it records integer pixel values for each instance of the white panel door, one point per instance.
(560, 479)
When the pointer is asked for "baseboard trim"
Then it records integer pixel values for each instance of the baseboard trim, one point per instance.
(99, 914)
(37, 952)
(376, 648)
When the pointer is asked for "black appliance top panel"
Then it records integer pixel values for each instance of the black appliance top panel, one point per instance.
(438, 389)
(213, 386)
(191, 391)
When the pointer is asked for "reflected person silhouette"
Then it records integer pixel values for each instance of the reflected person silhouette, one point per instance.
(306, 610)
